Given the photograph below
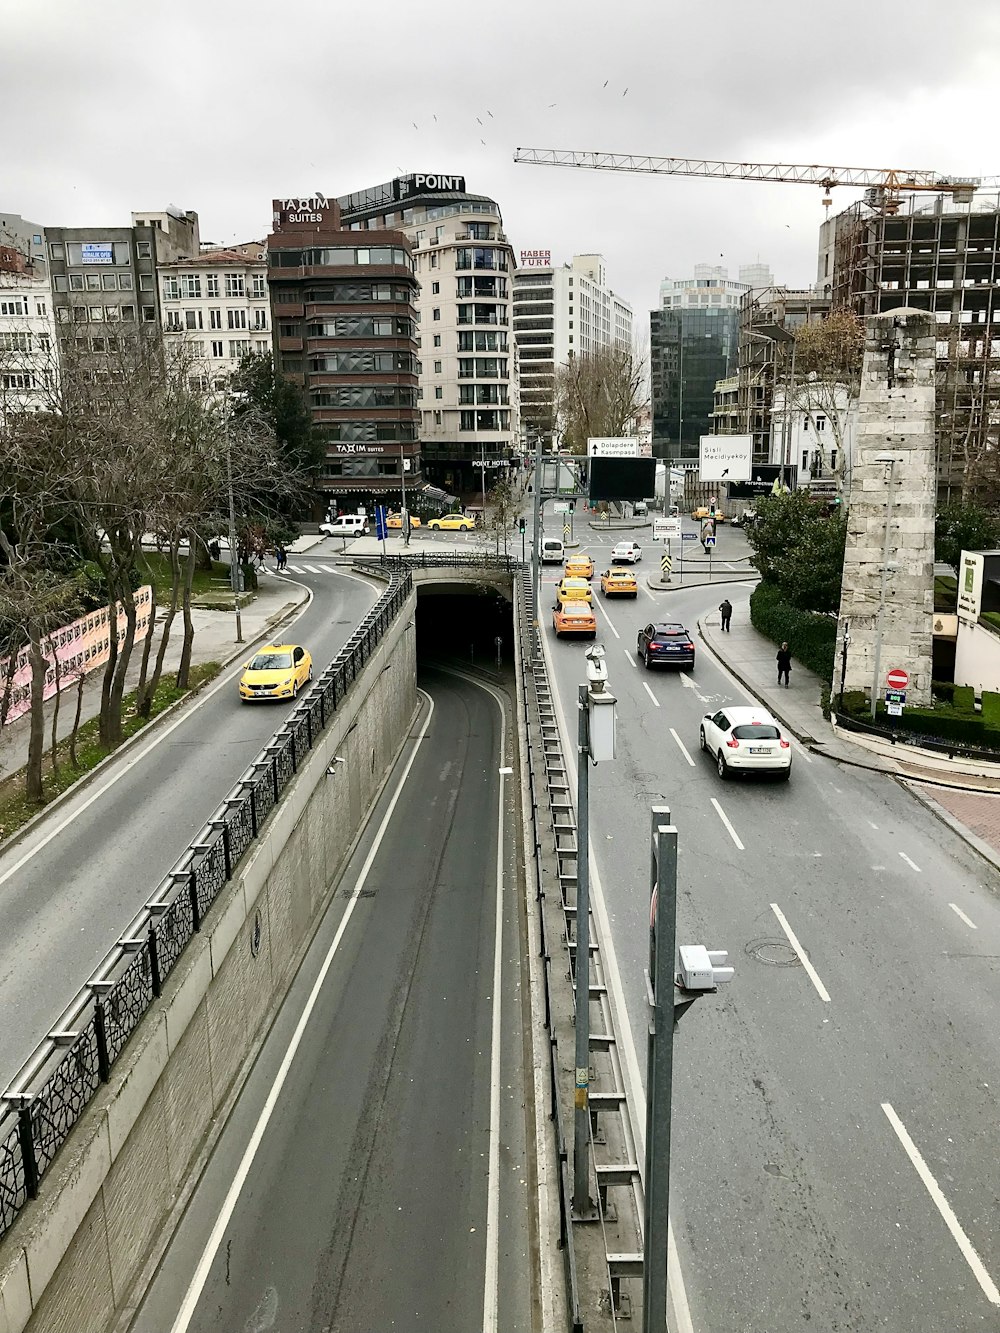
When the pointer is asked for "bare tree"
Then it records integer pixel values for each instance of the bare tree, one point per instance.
(502, 504)
(828, 358)
(599, 394)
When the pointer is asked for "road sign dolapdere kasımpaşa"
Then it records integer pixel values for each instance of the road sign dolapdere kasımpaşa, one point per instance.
(897, 679)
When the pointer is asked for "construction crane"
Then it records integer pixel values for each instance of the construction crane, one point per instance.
(883, 185)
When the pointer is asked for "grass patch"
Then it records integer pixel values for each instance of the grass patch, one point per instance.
(16, 810)
(945, 593)
(154, 568)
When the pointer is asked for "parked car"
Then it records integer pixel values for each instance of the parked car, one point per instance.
(574, 617)
(746, 740)
(452, 523)
(626, 553)
(396, 521)
(276, 672)
(665, 644)
(579, 566)
(619, 583)
(347, 525)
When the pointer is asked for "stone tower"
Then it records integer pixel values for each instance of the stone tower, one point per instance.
(889, 561)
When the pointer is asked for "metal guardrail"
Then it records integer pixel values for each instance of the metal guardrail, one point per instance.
(427, 560)
(53, 1088)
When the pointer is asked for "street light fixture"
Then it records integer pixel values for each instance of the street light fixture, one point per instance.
(777, 333)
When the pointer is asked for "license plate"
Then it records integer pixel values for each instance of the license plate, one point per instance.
(761, 749)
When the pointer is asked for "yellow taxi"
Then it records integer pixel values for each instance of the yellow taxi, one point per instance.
(452, 523)
(574, 618)
(276, 672)
(396, 521)
(573, 590)
(579, 566)
(619, 583)
(704, 512)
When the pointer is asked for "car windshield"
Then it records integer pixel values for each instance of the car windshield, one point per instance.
(271, 662)
(757, 731)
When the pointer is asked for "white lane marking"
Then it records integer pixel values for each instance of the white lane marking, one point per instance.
(803, 957)
(631, 658)
(491, 1289)
(800, 751)
(725, 819)
(958, 912)
(607, 618)
(943, 1206)
(317, 569)
(296, 569)
(193, 1294)
(645, 686)
(224, 681)
(686, 680)
(651, 595)
(729, 565)
(677, 1292)
(871, 825)
(683, 747)
(912, 864)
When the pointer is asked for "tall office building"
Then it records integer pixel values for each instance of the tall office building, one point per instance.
(561, 311)
(344, 317)
(938, 254)
(693, 343)
(469, 421)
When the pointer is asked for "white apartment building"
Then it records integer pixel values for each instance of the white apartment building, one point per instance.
(561, 311)
(820, 447)
(28, 354)
(219, 301)
(712, 286)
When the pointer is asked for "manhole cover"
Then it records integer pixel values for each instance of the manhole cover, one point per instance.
(774, 952)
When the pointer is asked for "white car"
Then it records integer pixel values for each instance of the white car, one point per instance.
(347, 525)
(746, 740)
(629, 553)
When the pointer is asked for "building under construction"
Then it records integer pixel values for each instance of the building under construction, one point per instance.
(940, 255)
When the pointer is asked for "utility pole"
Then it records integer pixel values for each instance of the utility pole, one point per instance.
(536, 547)
(890, 463)
(786, 434)
(235, 572)
(402, 480)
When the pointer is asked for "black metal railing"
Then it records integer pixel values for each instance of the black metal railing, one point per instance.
(51, 1091)
(507, 564)
(904, 735)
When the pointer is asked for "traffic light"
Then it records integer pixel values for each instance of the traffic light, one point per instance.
(522, 523)
(572, 506)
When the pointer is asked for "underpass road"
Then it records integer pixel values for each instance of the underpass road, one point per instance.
(795, 1198)
(392, 1184)
(70, 888)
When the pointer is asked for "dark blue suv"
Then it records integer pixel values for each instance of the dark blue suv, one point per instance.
(667, 644)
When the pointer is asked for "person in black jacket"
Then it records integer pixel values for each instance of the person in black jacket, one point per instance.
(726, 612)
(784, 659)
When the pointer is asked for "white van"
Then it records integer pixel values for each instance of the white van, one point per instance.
(347, 525)
(553, 551)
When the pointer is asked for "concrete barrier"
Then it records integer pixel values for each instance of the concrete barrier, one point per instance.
(69, 1263)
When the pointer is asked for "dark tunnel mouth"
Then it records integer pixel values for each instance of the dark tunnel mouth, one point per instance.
(462, 622)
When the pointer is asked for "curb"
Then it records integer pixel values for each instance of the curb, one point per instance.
(977, 843)
(733, 576)
(84, 780)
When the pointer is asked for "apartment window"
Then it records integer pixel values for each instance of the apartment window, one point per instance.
(821, 423)
(217, 350)
(93, 282)
(173, 321)
(215, 319)
(212, 284)
(437, 312)
(109, 282)
(235, 285)
(144, 249)
(434, 259)
(15, 342)
(128, 312)
(438, 392)
(437, 418)
(125, 282)
(833, 460)
(236, 319)
(239, 347)
(145, 282)
(259, 286)
(437, 340)
(148, 313)
(57, 250)
(191, 285)
(192, 319)
(112, 312)
(96, 313)
(435, 288)
(16, 307)
(60, 283)
(437, 367)
(260, 320)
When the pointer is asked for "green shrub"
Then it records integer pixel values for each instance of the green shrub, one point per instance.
(945, 722)
(964, 700)
(943, 690)
(811, 638)
(991, 708)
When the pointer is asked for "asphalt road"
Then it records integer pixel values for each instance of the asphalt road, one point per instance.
(391, 1187)
(811, 1135)
(70, 888)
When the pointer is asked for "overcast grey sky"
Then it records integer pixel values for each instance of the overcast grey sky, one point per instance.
(221, 106)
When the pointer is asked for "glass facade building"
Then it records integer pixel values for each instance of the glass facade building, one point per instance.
(690, 349)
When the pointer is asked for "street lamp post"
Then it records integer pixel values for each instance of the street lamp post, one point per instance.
(235, 572)
(777, 333)
(536, 547)
(402, 481)
(890, 462)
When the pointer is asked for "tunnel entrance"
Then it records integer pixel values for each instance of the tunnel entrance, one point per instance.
(462, 622)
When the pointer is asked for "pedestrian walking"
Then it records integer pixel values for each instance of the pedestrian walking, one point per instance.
(726, 612)
(784, 660)
(280, 558)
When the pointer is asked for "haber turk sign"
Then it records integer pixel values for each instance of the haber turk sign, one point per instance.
(536, 258)
(725, 457)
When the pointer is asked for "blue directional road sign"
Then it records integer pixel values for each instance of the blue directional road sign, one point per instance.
(381, 528)
(688, 536)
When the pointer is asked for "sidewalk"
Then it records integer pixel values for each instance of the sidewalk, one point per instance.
(965, 799)
(214, 641)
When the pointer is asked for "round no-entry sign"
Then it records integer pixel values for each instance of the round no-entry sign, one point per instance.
(897, 679)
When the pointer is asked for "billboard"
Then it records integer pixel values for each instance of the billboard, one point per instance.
(725, 457)
(616, 446)
(622, 478)
(762, 479)
(970, 586)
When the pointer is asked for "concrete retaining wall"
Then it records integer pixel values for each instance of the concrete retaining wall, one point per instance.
(69, 1263)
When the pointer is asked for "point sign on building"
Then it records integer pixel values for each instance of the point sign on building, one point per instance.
(897, 679)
